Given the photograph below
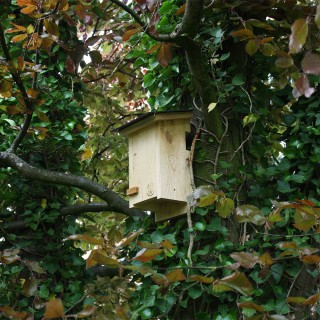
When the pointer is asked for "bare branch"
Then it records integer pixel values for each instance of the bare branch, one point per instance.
(78, 209)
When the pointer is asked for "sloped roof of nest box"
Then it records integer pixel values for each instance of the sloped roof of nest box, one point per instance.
(152, 117)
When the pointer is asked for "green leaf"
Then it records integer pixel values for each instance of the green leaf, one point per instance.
(238, 80)
(195, 292)
(249, 213)
(251, 47)
(317, 16)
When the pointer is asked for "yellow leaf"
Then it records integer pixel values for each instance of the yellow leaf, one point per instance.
(201, 279)
(87, 154)
(212, 106)
(266, 259)
(30, 29)
(18, 27)
(11, 313)
(175, 275)
(44, 203)
(54, 309)
(19, 37)
(32, 93)
(42, 116)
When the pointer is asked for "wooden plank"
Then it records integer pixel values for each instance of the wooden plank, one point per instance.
(132, 191)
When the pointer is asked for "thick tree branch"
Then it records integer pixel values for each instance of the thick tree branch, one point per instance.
(192, 17)
(78, 209)
(114, 201)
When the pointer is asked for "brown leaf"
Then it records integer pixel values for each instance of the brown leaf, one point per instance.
(302, 87)
(310, 259)
(86, 312)
(11, 313)
(70, 66)
(30, 287)
(164, 54)
(175, 275)
(85, 237)
(246, 259)
(297, 300)
(237, 281)
(146, 255)
(284, 62)
(181, 10)
(16, 109)
(154, 48)
(100, 256)
(304, 220)
(201, 279)
(311, 63)
(127, 240)
(167, 245)
(298, 37)
(243, 34)
(9, 256)
(23, 3)
(312, 300)
(54, 309)
(18, 27)
(266, 259)
(129, 33)
(148, 245)
(51, 27)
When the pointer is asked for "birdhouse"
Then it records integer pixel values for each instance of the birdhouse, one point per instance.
(159, 175)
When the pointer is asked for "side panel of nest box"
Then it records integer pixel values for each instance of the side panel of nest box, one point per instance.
(142, 162)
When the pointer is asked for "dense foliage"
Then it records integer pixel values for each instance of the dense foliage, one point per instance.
(72, 72)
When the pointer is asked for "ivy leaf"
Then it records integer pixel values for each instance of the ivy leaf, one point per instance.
(146, 255)
(311, 63)
(246, 259)
(164, 54)
(54, 309)
(299, 32)
(251, 305)
(236, 281)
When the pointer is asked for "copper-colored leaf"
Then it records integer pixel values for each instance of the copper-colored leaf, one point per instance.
(310, 259)
(86, 312)
(313, 299)
(251, 305)
(266, 259)
(237, 281)
(32, 93)
(243, 34)
(246, 259)
(29, 9)
(101, 257)
(129, 33)
(54, 309)
(249, 213)
(311, 63)
(175, 275)
(23, 3)
(164, 54)
(167, 245)
(12, 314)
(70, 66)
(85, 237)
(51, 27)
(145, 255)
(64, 5)
(201, 279)
(16, 109)
(19, 37)
(304, 220)
(148, 245)
(127, 240)
(154, 48)
(18, 27)
(302, 87)
(266, 40)
(298, 37)
(181, 10)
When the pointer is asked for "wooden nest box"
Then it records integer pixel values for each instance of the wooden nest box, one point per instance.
(159, 175)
